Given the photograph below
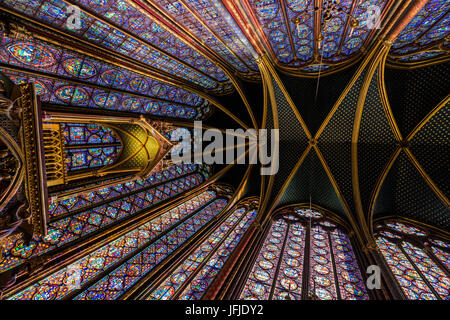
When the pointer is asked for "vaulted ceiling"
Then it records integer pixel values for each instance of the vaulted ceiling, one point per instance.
(362, 107)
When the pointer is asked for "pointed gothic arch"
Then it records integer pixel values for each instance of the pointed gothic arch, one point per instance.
(304, 254)
(417, 256)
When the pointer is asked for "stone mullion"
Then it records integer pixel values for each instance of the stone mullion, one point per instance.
(280, 260)
(333, 263)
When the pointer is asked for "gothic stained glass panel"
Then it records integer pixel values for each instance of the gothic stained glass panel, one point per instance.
(85, 133)
(435, 276)
(403, 228)
(67, 229)
(288, 27)
(302, 32)
(47, 58)
(106, 151)
(334, 30)
(221, 29)
(322, 283)
(289, 281)
(355, 39)
(86, 158)
(201, 267)
(259, 282)
(351, 283)
(430, 26)
(69, 93)
(438, 250)
(417, 263)
(146, 41)
(412, 284)
(122, 278)
(278, 271)
(54, 287)
(62, 207)
(420, 56)
(270, 16)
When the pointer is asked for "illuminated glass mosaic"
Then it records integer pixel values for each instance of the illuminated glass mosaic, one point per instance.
(86, 158)
(270, 16)
(194, 275)
(89, 146)
(54, 287)
(355, 39)
(69, 228)
(50, 59)
(404, 228)
(308, 213)
(63, 207)
(421, 56)
(420, 266)
(278, 272)
(139, 37)
(84, 133)
(426, 30)
(288, 27)
(123, 277)
(221, 29)
(86, 96)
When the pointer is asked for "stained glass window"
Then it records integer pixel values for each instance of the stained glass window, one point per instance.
(196, 272)
(150, 46)
(89, 146)
(83, 133)
(55, 286)
(122, 278)
(423, 34)
(63, 207)
(418, 261)
(237, 50)
(279, 270)
(85, 158)
(66, 229)
(356, 37)
(206, 170)
(288, 27)
(86, 96)
(50, 59)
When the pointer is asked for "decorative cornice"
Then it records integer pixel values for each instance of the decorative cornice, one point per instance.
(36, 190)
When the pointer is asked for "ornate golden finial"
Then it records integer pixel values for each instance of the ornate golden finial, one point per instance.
(320, 37)
(354, 23)
(388, 43)
(259, 59)
(370, 246)
(297, 21)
